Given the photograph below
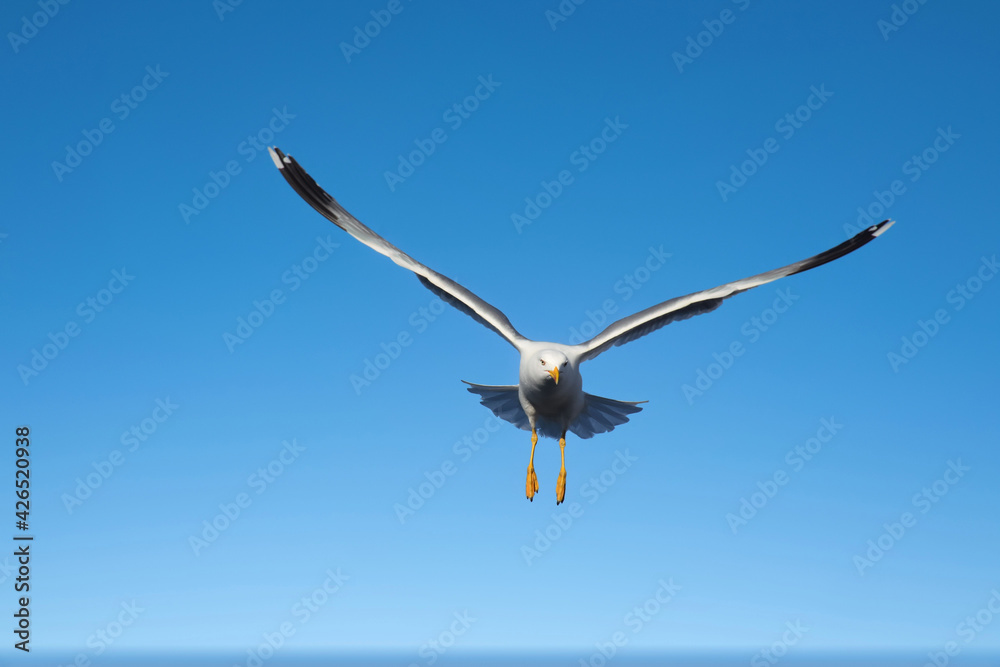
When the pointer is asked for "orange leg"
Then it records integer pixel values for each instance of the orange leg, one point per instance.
(561, 483)
(531, 486)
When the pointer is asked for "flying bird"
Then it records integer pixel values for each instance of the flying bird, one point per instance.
(549, 399)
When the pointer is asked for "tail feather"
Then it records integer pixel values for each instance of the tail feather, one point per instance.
(503, 401)
(601, 415)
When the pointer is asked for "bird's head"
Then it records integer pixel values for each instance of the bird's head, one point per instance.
(549, 364)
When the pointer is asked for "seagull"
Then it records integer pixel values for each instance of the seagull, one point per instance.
(549, 398)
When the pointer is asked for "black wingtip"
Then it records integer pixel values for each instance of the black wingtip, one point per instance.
(860, 239)
(306, 187)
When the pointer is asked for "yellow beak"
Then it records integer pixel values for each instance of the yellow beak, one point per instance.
(555, 374)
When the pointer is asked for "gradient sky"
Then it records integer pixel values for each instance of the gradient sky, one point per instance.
(175, 196)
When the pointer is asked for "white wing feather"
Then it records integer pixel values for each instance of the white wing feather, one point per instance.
(649, 320)
(446, 288)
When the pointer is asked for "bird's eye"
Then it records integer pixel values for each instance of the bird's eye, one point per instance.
(543, 362)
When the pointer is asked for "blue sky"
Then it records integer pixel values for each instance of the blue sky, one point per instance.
(144, 222)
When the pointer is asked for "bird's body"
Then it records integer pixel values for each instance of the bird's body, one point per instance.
(549, 397)
(544, 398)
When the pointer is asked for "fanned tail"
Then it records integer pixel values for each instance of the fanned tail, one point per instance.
(502, 400)
(601, 415)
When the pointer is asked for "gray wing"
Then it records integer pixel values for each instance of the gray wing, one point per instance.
(444, 287)
(649, 320)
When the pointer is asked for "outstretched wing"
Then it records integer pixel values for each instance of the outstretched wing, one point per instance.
(681, 308)
(444, 287)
